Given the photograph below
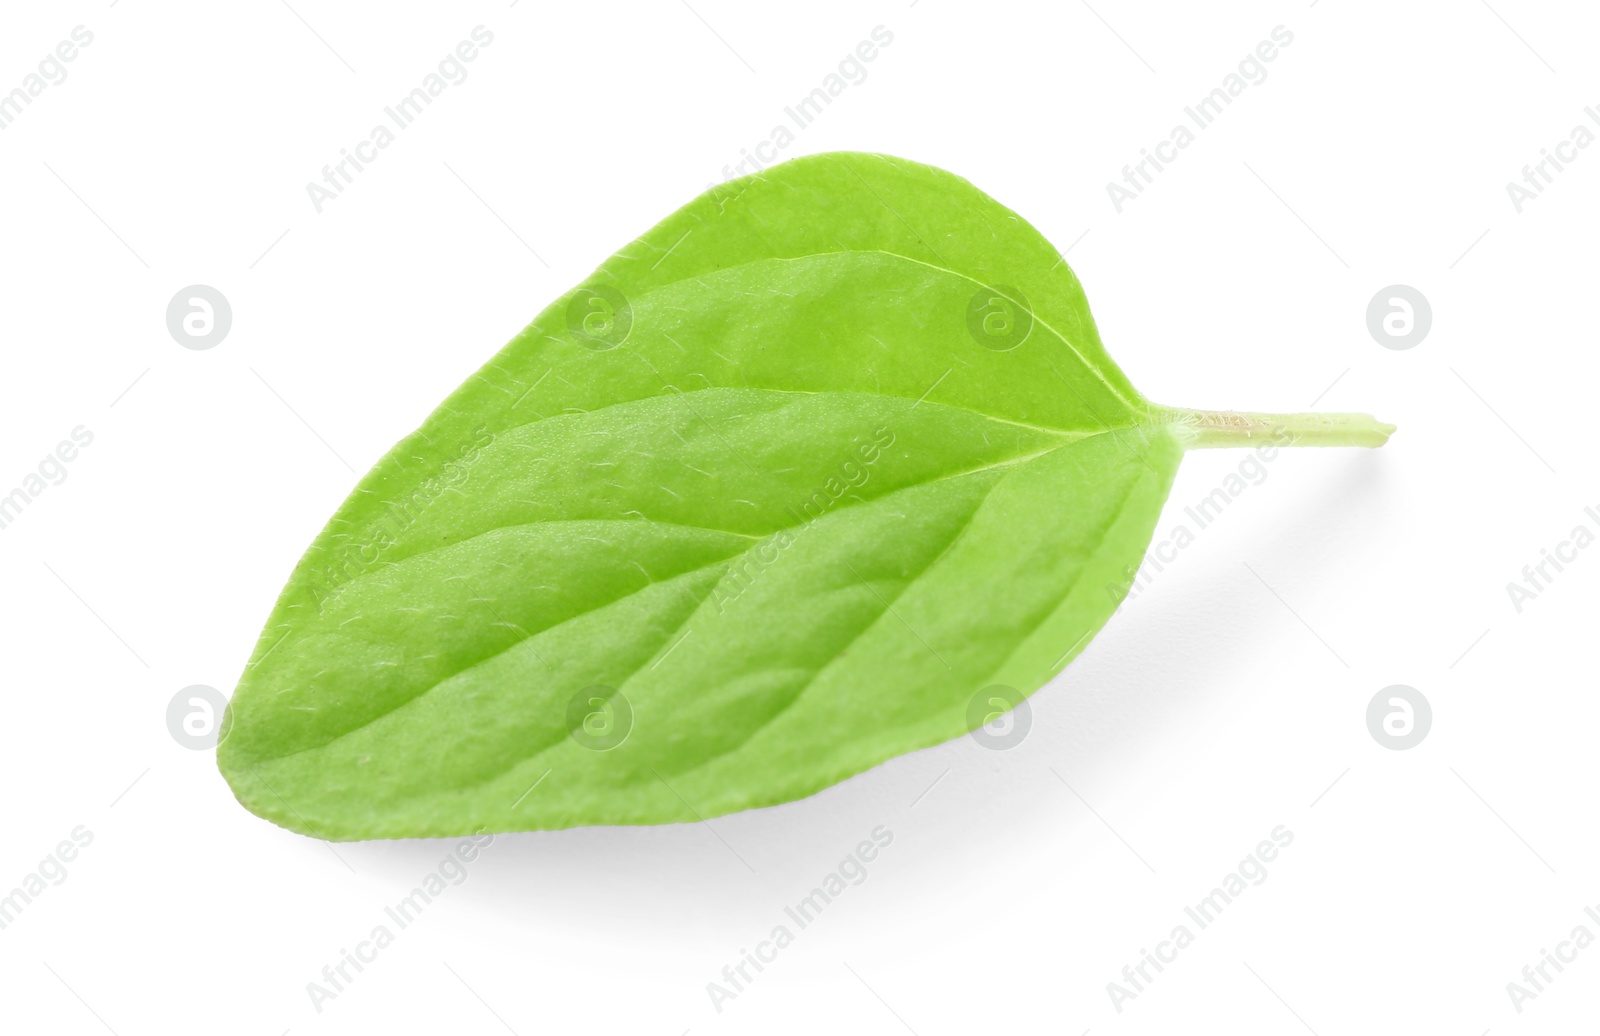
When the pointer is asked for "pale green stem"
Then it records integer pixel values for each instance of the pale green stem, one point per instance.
(1210, 429)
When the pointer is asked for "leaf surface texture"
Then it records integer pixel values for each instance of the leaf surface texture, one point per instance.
(764, 477)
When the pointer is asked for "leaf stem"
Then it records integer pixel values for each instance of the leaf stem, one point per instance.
(1214, 429)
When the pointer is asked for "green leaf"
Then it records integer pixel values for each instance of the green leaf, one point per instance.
(803, 479)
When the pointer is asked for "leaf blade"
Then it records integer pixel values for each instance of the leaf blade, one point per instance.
(583, 513)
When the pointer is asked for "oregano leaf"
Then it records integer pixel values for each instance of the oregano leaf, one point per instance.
(795, 483)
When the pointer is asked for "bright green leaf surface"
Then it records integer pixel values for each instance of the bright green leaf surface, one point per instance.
(775, 493)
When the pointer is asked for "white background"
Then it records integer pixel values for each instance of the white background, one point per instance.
(1226, 699)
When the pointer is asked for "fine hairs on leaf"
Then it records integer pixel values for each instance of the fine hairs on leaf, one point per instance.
(807, 477)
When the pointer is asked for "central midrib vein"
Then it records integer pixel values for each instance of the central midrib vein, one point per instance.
(1009, 463)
